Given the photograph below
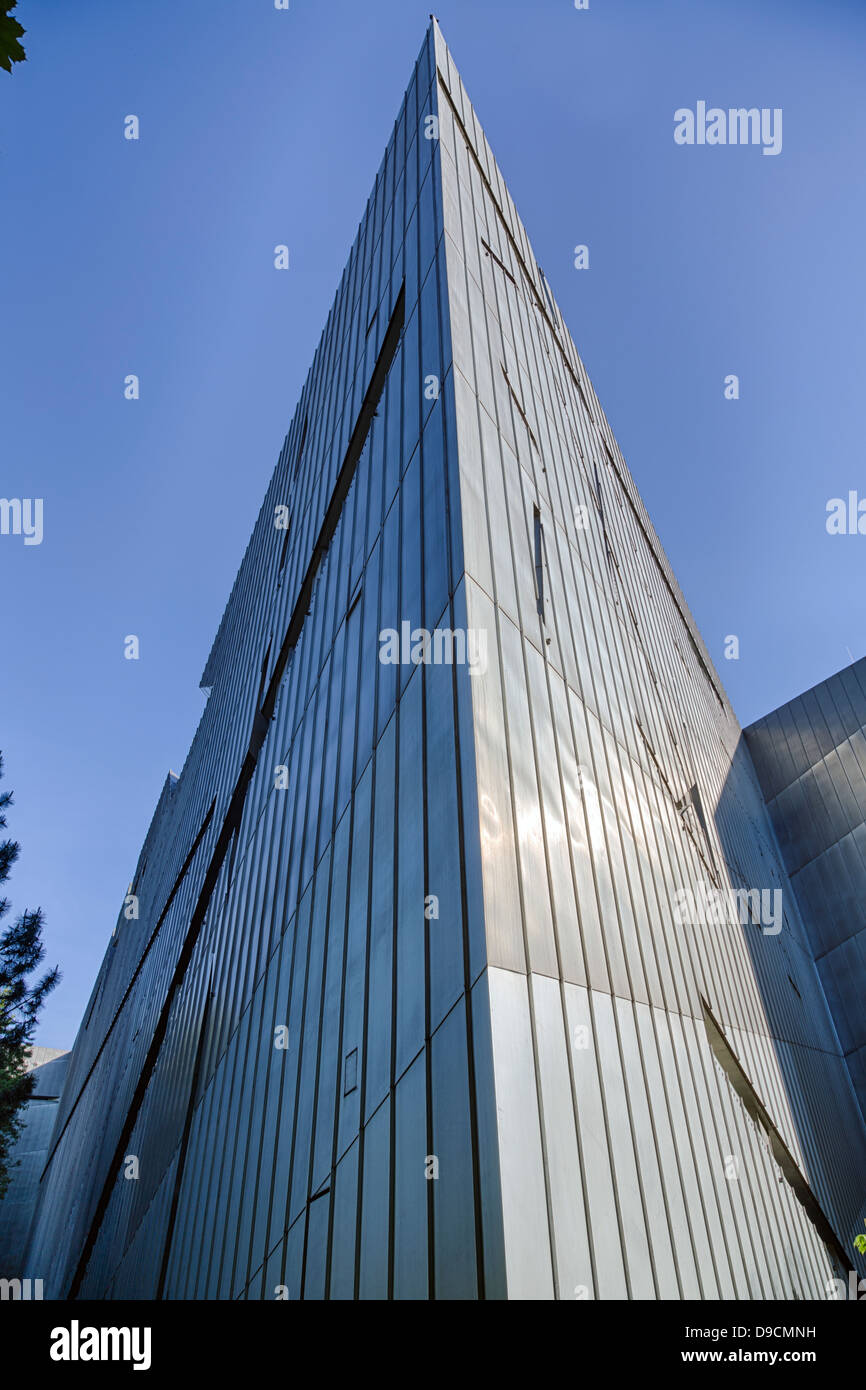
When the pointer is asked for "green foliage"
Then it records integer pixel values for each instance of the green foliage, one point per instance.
(860, 1243)
(21, 951)
(10, 32)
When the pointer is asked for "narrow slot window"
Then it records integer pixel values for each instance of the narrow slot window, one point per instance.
(355, 598)
(350, 1072)
(539, 561)
(139, 876)
(231, 864)
(502, 266)
(694, 823)
(265, 661)
(618, 491)
(303, 441)
(97, 994)
(548, 296)
(285, 548)
(518, 405)
(597, 489)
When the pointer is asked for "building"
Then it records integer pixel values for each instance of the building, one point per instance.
(27, 1157)
(810, 756)
(427, 984)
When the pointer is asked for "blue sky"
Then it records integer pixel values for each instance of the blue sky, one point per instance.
(261, 127)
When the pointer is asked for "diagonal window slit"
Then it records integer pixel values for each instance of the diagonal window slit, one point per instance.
(539, 561)
(776, 1145)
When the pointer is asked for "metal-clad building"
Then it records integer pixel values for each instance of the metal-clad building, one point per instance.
(811, 758)
(27, 1156)
(402, 1002)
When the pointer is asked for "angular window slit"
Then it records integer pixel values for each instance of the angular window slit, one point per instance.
(776, 1146)
(694, 823)
(502, 266)
(518, 405)
(263, 677)
(539, 561)
(300, 452)
(356, 595)
(285, 548)
(350, 1072)
(550, 304)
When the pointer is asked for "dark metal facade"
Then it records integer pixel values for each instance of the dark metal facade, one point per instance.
(811, 758)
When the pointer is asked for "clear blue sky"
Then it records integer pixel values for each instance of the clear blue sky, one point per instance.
(260, 127)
